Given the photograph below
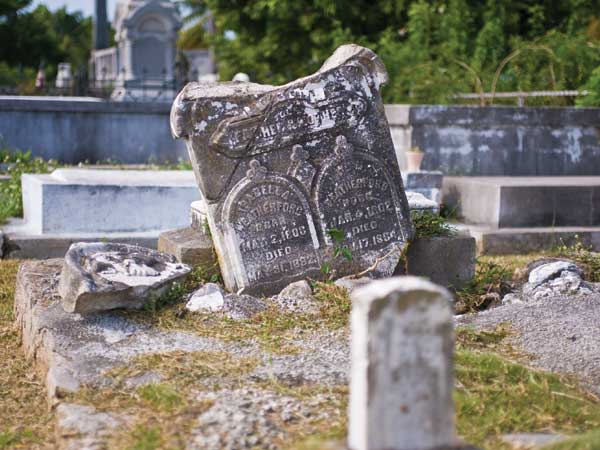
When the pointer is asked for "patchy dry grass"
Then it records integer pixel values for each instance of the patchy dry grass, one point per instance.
(25, 422)
(274, 331)
(494, 395)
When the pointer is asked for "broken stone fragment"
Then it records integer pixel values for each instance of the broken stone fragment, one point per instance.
(418, 202)
(297, 297)
(102, 276)
(212, 298)
(207, 298)
(547, 272)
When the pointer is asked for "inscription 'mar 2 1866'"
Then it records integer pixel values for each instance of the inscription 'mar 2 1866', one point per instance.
(270, 228)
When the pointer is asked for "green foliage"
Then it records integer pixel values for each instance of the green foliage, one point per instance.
(160, 396)
(428, 224)
(39, 36)
(582, 255)
(432, 50)
(593, 87)
(490, 281)
(587, 441)
(11, 200)
(146, 438)
(495, 396)
(338, 237)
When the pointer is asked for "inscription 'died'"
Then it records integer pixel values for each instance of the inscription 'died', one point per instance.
(272, 227)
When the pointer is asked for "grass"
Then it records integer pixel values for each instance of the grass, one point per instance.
(275, 332)
(494, 394)
(428, 224)
(25, 422)
(11, 201)
(587, 441)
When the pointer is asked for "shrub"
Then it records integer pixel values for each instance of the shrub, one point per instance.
(18, 163)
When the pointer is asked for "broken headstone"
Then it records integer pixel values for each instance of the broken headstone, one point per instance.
(300, 179)
(101, 276)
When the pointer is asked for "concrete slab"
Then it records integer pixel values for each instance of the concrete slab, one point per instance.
(107, 201)
(516, 202)
(506, 241)
(447, 261)
(20, 243)
(189, 246)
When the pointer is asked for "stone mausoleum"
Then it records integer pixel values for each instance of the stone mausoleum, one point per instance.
(142, 63)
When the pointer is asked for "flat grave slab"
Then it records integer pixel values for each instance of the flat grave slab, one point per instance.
(507, 202)
(107, 201)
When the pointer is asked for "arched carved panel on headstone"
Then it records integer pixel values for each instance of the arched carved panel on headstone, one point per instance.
(355, 193)
(269, 231)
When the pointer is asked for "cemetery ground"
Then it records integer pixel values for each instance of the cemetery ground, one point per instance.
(278, 372)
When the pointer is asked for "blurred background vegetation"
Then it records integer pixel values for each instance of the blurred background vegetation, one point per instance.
(433, 50)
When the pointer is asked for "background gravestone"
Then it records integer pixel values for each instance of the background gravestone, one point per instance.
(299, 179)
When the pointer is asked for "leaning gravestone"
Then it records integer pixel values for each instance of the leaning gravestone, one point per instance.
(291, 175)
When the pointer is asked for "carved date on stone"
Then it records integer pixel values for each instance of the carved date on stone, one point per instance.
(281, 167)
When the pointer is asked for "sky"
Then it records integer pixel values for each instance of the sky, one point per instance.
(86, 6)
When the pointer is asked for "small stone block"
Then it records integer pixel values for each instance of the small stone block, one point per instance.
(423, 180)
(189, 246)
(445, 260)
(402, 366)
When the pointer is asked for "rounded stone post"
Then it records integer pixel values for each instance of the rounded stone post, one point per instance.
(402, 366)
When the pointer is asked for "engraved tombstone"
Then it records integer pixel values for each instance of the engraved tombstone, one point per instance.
(300, 177)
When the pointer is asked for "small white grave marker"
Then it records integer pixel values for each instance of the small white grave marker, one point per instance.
(402, 372)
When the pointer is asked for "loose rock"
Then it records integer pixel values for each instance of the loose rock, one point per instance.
(209, 297)
(549, 271)
(297, 297)
(102, 276)
(81, 427)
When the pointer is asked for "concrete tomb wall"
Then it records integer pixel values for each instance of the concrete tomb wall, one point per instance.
(458, 140)
(475, 141)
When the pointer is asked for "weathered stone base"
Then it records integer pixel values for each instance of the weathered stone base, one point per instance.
(24, 245)
(189, 246)
(447, 261)
(506, 241)
(70, 351)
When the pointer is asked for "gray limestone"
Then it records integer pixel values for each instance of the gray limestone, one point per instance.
(297, 297)
(189, 245)
(428, 183)
(211, 298)
(549, 271)
(401, 399)
(102, 276)
(207, 298)
(281, 167)
(418, 202)
(70, 350)
(81, 427)
(446, 260)
(531, 441)
(71, 201)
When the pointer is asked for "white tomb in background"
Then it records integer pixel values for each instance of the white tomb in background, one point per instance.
(142, 64)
